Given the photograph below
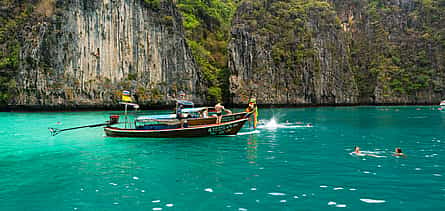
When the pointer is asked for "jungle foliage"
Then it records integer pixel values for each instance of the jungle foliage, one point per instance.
(207, 24)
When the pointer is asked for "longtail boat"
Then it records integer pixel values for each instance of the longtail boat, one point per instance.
(194, 117)
(197, 124)
(226, 128)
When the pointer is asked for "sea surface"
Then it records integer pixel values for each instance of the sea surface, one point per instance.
(297, 159)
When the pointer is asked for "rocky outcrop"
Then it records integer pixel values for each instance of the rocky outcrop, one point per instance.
(397, 49)
(338, 52)
(87, 51)
(304, 60)
(318, 52)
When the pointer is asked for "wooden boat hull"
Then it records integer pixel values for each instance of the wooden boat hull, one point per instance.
(212, 120)
(226, 128)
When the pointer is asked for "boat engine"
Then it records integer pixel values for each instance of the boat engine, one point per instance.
(114, 119)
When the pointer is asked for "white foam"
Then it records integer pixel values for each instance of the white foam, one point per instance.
(323, 186)
(115, 203)
(272, 124)
(238, 193)
(295, 197)
(277, 194)
(253, 189)
(332, 203)
(169, 205)
(156, 201)
(242, 209)
(418, 169)
(113, 184)
(143, 191)
(208, 190)
(352, 189)
(157, 208)
(339, 188)
(135, 178)
(248, 133)
(373, 201)
(340, 205)
(437, 175)
(283, 201)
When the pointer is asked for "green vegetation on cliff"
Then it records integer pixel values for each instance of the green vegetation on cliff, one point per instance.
(14, 15)
(285, 24)
(207, 24)
(401, 57)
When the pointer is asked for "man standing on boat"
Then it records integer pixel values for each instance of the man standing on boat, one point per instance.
(219, 109)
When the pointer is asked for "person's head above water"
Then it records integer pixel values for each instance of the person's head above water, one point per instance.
(357, 149)
(398, 152)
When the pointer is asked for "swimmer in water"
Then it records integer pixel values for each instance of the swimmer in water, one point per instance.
(398, 153)
(357, 152)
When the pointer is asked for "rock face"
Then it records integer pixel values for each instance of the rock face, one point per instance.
(88, 51)
(308, 66)
(338, 52)
(311, 52)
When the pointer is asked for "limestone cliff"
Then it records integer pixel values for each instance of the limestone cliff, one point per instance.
(397, 49)
(87, 51)
(290, 52)
(311, 52)
(338, 52)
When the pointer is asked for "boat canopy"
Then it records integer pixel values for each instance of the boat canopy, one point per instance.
(170, 116)
(160, 116)
(136, 106)
(193, 110)
(185, 102)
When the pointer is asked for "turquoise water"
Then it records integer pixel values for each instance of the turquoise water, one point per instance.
(276, 167)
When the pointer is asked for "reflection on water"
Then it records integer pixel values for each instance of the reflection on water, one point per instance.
(252, 148)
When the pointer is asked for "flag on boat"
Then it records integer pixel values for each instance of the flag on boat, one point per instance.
(126, 96)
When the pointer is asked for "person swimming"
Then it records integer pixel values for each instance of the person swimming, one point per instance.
(398, 153)
(359, 153)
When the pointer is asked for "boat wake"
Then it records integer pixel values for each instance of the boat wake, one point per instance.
(367, 153)
(248, 133)
(273, 124)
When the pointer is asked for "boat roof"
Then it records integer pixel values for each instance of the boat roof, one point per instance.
(185, 102)
(159, 116)
(130, 104)
(193, 110)
(170, 116)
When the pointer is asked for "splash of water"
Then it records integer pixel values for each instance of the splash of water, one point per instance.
(272, 124)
